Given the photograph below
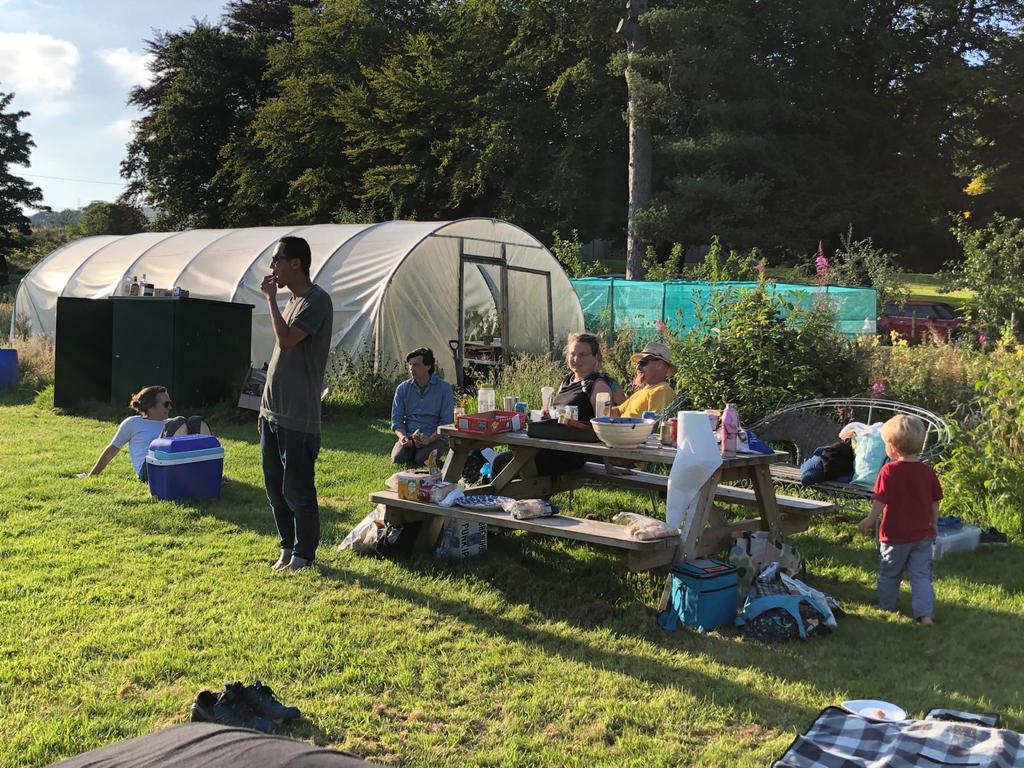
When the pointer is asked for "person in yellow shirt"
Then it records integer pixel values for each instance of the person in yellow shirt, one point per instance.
(654, 393)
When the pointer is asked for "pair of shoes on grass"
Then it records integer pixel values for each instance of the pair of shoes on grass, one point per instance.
(290, 562)
(992, 536)
(243, 706)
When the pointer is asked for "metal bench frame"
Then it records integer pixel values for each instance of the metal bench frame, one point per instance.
(813, 423)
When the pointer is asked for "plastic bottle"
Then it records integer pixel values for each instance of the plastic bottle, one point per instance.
(602, 404)
(545, 399)
(126, 286)
(730, 430)
(485, 399)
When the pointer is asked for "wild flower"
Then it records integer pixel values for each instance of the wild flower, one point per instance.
(660, 327)
(982, 338)
(880, 387)
(821, 264)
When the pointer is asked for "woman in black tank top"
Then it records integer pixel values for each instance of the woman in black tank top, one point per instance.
(580, 388)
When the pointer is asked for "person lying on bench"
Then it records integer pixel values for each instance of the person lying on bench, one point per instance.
(653, 392)
(422, 403)
(152, 420)
(829, 462)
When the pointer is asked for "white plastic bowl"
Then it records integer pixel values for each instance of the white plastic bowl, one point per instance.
(622, 432)
(873, 709)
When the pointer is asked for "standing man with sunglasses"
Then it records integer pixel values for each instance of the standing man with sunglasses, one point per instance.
(289, 421)
(654, 393)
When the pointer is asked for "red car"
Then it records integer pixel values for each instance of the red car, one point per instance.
(918, 319)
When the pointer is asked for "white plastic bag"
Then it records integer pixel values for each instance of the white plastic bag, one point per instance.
(819, 599)
(363, 538)
(644, 528)
(527, 509)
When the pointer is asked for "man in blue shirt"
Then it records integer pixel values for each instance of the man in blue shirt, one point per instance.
(422, 403)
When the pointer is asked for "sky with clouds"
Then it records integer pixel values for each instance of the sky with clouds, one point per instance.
(71, 64)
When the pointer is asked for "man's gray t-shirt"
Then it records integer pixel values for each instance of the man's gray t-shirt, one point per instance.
(295, 377)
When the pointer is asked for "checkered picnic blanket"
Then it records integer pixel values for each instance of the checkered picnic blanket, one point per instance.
(840, 739)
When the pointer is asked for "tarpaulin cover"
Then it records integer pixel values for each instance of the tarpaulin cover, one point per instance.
(621, 304)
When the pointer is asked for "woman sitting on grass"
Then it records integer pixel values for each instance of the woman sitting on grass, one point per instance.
(153, 408)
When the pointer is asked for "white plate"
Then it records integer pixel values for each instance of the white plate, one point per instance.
(873, 709)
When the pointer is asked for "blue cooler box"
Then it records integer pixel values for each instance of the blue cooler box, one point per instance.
(186, 467)
(705, 593)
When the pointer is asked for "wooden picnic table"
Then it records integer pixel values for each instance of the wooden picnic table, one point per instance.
(519, 480)
(705, 532)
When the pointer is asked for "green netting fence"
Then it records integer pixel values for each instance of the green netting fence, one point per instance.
(621, 304)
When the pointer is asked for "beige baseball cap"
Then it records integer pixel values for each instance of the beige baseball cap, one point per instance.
(658, 351)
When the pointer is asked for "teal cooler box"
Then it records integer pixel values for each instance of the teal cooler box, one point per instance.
(186, 467)
(705, 593)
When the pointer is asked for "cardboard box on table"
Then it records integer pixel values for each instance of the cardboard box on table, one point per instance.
(490, 422)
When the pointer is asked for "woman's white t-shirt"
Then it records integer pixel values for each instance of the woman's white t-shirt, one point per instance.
(138, 432)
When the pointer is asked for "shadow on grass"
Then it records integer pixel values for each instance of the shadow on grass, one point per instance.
(543, 581)
(775, 712)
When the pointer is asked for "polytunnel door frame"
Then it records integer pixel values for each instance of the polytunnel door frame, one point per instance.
(504, 331)
(459, 347)
(548, 298)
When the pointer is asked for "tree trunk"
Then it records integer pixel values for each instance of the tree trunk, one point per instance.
(639, 149)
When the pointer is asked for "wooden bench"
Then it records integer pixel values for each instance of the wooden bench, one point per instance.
(787, 474)
(726, 494)
(803, 427)
(638, 555)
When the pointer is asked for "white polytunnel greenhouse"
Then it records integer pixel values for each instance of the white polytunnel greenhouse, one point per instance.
(474, 289)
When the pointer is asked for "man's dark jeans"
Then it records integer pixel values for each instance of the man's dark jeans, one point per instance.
(289, 458)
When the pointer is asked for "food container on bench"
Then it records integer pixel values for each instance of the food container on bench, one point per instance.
(185, 467)
(961, 540)
(489, 422)
(421, 485)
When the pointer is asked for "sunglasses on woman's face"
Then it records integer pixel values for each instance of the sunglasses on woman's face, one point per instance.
(645, 361)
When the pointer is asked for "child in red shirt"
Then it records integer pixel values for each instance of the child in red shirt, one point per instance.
(906, 497)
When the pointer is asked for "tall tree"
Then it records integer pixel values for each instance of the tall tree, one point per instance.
(291, 165)
(639, 139)
(779, 123)
(103, 218)
(15, 192)
(208, 83)
(503, 109)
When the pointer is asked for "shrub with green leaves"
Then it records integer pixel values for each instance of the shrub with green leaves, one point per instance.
(992, 265)
(754, 349)
(358, 379)
(860, 263)
(569, 253)
(936, 376)
(524, 376)
(983, 474)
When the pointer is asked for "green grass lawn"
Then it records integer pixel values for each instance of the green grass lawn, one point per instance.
(117, 609)
(924, 286)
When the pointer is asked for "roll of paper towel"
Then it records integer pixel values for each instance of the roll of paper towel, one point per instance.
(697, 458)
